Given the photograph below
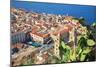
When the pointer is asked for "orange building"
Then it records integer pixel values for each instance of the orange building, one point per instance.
(40, 37)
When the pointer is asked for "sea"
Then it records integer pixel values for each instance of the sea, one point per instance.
(77, 10)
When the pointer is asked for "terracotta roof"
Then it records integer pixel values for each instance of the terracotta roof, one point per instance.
(69, 27)
(61, 31)
(34, 31)
(68, 18)
(41, 35)
(18, 45)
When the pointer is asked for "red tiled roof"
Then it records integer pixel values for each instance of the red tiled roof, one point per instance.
(68, 18)
(40, 34)
(34, 31)
(61, 31)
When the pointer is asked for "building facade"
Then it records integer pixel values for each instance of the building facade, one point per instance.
(56, 39)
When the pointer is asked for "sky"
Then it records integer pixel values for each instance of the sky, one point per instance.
(86, 11)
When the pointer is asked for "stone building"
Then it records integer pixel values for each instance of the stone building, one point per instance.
(56, 39)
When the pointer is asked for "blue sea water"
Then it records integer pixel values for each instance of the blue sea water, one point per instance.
(86, 11)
